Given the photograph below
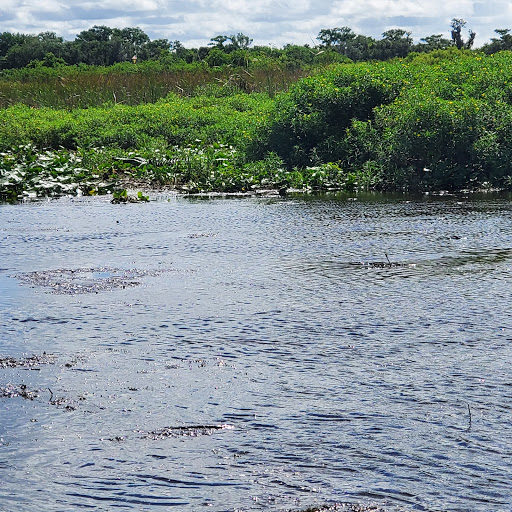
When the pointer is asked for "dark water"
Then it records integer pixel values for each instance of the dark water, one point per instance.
(346, 379)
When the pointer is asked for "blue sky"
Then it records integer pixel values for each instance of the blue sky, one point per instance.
(194, 22)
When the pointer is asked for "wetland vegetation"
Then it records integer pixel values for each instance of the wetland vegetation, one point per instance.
(229, 118)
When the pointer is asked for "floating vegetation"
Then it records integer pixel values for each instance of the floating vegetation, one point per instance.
(12, 391)
(345, 507)
(181, 431)
(122, 196)
(187, 431)
(26, 172)
(27, 362)
(87, 280)
(64, 403)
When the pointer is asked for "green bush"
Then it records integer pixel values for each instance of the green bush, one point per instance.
(436, 121)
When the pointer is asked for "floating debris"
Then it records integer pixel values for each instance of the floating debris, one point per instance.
(27, 362)
(87, 280)
(384, 264)
(345, 507)
(12, 391)
(202, 235)
(187, 431)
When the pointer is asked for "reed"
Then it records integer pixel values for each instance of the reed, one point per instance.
(92, 87)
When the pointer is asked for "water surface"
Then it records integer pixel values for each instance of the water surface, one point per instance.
(359, 346)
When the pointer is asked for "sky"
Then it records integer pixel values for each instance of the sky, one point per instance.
(275, 23)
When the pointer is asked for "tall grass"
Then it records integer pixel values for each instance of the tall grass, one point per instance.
(83, 87)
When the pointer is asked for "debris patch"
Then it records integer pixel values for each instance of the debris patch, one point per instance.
(12, 391)
(186, 431)
(87, 280)
(27, 362)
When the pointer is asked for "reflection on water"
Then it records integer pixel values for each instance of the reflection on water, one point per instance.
(360, 347)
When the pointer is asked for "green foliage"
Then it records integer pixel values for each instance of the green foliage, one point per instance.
(27, 172)
(87, 86)
(438, 120)
(309, 123)
(121, 196)
(498, 45)
(457, 24)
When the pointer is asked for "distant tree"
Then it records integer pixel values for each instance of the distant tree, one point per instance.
(239, 41)
(360, 48)
(22, 49)
(201, 53)
(8, 40)
(457, 24)
(19, 55)
(236, 42)
(154, 49)
(217, 57)
(344, 41)
(104, 46)
(338, 39)
(94, 46)
(95, 33)
(178, 48)
(131, 41)
(218, 41)
(433, 42)
(394, 43)
(497, 45)
(240, 58)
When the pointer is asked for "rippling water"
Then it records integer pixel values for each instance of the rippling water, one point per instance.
(360, 348)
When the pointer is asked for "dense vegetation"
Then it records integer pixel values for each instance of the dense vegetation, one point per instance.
(105, 46)
(294, 118)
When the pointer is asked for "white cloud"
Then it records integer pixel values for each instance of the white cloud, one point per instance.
(268, 22)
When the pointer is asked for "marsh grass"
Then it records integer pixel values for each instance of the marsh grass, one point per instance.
(74, 87)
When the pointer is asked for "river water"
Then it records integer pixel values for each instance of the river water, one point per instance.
(256, 353)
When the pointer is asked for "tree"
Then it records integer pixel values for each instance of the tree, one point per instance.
(394, 43)
(132, 41)
(95, 47)
(344, 41)
(218, 41)
(20, 50)
(154, 49)
(433, 42)
(239, 41)
(498, 45)
(360, 48)
(336, 38)
(216, 57)
(8, 40)
(457, 25)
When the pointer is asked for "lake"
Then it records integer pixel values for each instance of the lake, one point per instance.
(260, 353)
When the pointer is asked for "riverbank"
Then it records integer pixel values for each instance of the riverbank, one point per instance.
(437, 121)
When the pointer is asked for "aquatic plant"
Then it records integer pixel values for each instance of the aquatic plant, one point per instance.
(27, 172)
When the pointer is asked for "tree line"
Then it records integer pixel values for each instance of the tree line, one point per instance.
(105, 46)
